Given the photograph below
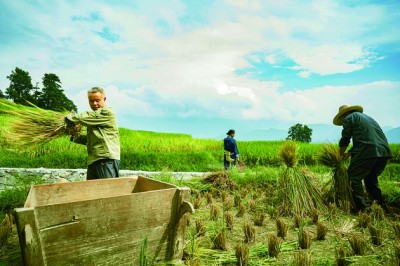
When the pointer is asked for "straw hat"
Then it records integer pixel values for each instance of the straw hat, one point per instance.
(344, 109)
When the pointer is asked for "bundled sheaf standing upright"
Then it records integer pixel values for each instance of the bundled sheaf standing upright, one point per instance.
(297, 193)
(329, 155)
(32, 125)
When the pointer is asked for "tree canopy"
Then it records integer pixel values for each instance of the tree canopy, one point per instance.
(300, 133)
(51, 96)
(20, 89)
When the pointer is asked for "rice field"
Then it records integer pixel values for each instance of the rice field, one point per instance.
(241, 223)
(238, 221)
(154, 151)
(266, 237)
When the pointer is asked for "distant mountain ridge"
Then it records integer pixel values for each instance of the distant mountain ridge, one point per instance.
(321, 134)
(393, 135)
(245, 129)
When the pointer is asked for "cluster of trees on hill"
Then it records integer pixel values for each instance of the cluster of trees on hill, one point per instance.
(50, 96)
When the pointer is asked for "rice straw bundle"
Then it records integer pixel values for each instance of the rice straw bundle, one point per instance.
(5, 229)
(297, 195)
(288, 153)
(257, 252)
(33, 125)
(329, 155)
(242, 254)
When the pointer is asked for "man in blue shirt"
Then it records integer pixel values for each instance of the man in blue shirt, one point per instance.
(369, 154)
(231, 154)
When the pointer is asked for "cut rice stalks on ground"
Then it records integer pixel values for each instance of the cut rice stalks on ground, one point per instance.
(257, 252)
(297, 195)
(219, 180)
(33, 125)
(5, 229)
(329, 155)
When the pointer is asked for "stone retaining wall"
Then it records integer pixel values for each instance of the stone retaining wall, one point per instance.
(8, 175)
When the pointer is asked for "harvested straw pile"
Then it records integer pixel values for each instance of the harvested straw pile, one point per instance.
(5, 229)
(33, 125)
(329, 155)
(297, 195)
(220, 180)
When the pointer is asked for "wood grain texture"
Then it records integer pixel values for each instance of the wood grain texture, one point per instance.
(32, 249)
(57, 193)
(108, 229)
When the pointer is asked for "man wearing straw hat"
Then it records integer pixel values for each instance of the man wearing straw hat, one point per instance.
(102, 138)
(369, 154)
(231, 154)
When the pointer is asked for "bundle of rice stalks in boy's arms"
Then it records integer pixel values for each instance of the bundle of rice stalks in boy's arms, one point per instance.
(329, 155)
(33, 125)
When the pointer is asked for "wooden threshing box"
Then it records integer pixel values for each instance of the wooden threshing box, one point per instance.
(103, 222)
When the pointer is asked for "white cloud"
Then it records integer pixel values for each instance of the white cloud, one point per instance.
(193, 71)
(330, 59)
(304, 74)
(122, 101)
(271, 59)
(246, 4)
(223, 89)
(319, 105)
(141, 43)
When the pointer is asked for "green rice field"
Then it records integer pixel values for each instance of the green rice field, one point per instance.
(237, 219)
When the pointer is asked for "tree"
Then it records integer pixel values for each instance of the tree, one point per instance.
(2, 96)
(37, 92)
(20, 89)
(52, 96)
(300, 132)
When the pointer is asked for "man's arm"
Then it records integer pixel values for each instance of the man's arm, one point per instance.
(74, 130)
(347, 134)
(80, 139)
(100, 117)
(343, 153)
(235, 149)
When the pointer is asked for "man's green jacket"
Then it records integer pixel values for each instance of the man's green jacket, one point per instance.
(102, 138)
(369, 141)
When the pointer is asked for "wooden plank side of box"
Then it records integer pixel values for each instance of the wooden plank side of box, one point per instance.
(56, 193)
(118, 249)
(108, 229)
(29, 239)
(148, 184)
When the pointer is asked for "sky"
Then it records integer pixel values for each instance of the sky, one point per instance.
(202, 67)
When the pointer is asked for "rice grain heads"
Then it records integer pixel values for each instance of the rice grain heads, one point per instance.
(329, 155)
(288, 153)
(32, 125)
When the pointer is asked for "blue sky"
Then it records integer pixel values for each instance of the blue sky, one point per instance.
(193, 65)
